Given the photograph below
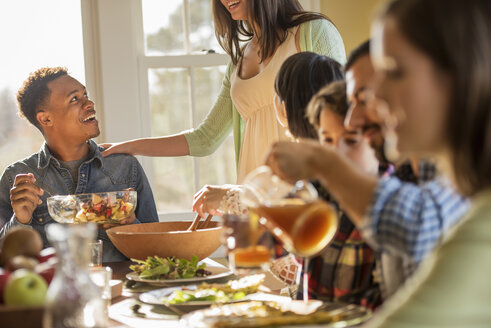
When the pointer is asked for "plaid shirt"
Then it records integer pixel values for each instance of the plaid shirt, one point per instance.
(344, 269)
(406, 221)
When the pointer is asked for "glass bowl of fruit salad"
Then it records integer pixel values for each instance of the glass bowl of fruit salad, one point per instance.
(102, 208)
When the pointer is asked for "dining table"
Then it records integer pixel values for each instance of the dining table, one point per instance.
(126, 310)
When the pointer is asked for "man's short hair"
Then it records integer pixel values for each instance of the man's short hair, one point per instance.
(360, 51)
(332, 96)
(34, 93)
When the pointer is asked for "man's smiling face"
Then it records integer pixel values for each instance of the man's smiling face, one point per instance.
(71, 112)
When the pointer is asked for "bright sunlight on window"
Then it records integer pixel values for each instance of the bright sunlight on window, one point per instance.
(180, 97)
(34, 34)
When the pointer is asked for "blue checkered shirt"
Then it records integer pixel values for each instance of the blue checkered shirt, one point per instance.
(406, 221)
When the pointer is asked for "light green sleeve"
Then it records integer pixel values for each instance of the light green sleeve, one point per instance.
(322, 37)
(453, 287)
(210, 134)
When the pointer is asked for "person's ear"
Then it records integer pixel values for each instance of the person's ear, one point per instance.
(280, 109)
(44, 119)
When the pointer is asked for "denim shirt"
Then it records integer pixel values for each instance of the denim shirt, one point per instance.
(96, 174)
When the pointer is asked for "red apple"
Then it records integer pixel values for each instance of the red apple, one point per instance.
(46, 254)
(4, 276)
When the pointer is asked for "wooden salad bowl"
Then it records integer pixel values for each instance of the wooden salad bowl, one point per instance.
(166, 239)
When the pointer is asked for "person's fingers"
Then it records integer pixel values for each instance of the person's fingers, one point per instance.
(24, 194)
(200, 210)
(26, 204)
(24, 178)
(27, 186)
(206, 188)
(26, 181)
(197, 203)
(105, 145)
(129, 220)
(199, 193)
(106, 226)
(107, 152)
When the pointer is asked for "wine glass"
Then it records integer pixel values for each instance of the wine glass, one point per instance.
(294, 214)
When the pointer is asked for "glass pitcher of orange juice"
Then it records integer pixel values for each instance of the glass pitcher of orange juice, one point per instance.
(294, 214)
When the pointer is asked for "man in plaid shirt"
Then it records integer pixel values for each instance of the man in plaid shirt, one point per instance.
(404, 221)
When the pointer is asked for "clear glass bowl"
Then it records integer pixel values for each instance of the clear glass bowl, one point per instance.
(102, 208)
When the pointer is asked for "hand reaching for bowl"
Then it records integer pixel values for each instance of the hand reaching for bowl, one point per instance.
(208, 199)
(219, 200)
(24, 197)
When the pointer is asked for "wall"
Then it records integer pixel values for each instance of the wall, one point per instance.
(352, 18)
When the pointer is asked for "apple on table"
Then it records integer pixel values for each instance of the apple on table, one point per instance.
(25, 288)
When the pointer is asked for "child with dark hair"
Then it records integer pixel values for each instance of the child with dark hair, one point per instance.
(299, 78)
(343, 270)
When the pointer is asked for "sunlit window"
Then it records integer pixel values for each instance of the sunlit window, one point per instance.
(34, 34)
(180, 97)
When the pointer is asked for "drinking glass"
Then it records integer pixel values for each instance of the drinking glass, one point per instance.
(95, 249)
(241, 238)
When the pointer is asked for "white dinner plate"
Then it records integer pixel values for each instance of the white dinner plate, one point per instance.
(217, 272)
(154, 297)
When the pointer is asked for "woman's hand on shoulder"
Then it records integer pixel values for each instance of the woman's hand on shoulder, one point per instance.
(115, 148)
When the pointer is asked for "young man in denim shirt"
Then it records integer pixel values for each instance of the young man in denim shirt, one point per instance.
(69, 162)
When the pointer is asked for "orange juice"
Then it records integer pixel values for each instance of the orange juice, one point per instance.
(304, 228)
(252, 256)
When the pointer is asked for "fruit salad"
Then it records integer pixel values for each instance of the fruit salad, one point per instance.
(101, 210)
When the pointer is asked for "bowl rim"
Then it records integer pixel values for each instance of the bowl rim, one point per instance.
(92, 193)
(110, 230)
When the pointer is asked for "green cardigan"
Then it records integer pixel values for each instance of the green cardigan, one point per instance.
(319, 36)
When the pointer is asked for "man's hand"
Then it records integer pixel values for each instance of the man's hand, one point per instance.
(293, 161)
(128, 220)
(24, 197)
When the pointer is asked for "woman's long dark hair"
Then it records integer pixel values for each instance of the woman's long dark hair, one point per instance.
(271, 18)
(456, 36)
(299, 79)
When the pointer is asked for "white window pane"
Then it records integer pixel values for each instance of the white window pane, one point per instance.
(169, 100)
(219, 168)
(202, 31)
(169, 103)
(164, 32)
(173, 184)
(35, 34)
(208, 81)
(163, 27)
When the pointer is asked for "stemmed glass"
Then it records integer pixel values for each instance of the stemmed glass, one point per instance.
(294, 214)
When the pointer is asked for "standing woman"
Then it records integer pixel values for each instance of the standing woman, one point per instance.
(273, 30)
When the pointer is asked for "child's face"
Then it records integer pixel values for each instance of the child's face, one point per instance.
(351, 143)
